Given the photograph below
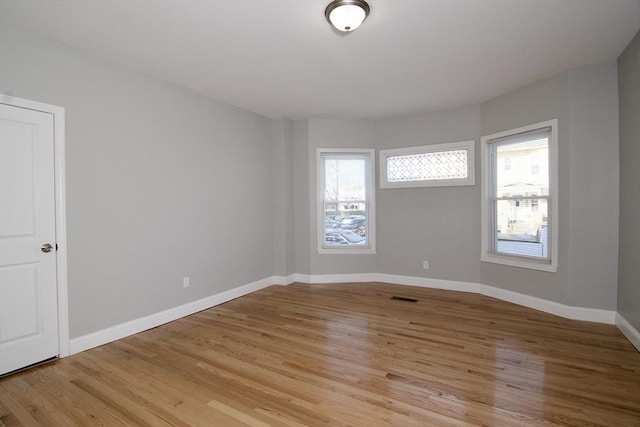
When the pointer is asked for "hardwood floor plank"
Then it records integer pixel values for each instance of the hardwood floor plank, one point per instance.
(20, 415)
(152, 383)
(343, 355)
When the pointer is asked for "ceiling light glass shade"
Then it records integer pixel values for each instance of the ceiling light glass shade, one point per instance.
(346, 15)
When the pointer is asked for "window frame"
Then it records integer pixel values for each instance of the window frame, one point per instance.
(488, 222)
(469, 146)
(370, 193)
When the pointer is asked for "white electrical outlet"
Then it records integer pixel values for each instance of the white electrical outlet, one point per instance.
(185, 282)
(425, 265)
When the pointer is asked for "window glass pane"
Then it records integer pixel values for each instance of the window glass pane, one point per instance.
(345, 226)
(345, 207)
(527, 173)
(522, 227)
(519, 197)
(427, 166)
(344, 179)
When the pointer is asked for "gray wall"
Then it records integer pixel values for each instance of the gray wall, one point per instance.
(334, 134)
(442, 224)
(438, 224)
(593, 185)
(161, 183)
(541, 101)
(302, 214)
(585, 102)
(282, 197)
(629, 266)
(309, 135)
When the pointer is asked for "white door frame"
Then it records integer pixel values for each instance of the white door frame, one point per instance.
(61, 212)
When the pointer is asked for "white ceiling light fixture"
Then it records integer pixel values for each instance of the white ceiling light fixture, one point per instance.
(346, 15)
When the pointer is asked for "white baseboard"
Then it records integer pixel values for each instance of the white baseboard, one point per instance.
(632, 334)
(423, 282)
(335, 278)
(552, 307)
(123, 330)
(284, 280)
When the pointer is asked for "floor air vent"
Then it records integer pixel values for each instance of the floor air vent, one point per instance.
(397, 298)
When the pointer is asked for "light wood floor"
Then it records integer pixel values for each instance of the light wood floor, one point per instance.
(343, 355)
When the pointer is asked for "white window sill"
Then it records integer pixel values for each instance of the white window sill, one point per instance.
(345, 251)
(515, 262)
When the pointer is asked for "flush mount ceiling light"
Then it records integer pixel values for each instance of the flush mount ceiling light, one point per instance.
(346, 15)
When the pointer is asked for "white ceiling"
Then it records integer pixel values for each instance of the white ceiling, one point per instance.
(280, 58)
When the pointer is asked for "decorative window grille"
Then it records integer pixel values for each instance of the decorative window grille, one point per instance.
(428, 166)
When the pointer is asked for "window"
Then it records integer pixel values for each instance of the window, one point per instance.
(346, 210)
(436, 165)
(535, 166)
(519, 205)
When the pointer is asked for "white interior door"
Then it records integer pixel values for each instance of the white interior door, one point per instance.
(28, 290)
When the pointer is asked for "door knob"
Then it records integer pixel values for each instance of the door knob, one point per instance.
(46, 248)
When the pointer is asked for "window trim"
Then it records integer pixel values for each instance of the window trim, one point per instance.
(370, 196)
(487, 216)
(424, 149)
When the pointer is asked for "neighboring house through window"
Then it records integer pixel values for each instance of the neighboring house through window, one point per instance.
(519, 203)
